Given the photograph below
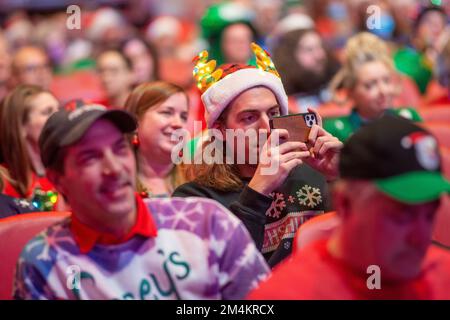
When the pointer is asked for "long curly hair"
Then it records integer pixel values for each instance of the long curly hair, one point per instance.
(295, 78)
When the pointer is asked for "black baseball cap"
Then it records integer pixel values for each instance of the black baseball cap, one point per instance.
(67, 126)
(400, 157)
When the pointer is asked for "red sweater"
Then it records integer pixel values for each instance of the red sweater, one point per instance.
(314, 274)
(36, 182)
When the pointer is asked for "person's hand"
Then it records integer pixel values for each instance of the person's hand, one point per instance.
(324, 150)
(277, 161)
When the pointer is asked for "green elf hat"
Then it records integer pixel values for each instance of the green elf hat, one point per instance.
(219, 16)
(414, 65)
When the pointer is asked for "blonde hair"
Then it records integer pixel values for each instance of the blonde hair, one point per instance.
(360, 49)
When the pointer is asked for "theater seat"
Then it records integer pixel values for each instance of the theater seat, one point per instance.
(332, 111)
(441, 130)
(445, 154)
(442, 223)
(434, 92)
(15, 232)
(83, 84)
(435, 114)
(409, 94)
(316, 228)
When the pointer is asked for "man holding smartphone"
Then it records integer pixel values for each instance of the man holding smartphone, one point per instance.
(390, 187)
(271, 205)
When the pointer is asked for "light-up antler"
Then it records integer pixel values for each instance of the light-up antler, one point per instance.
(263, 60)
(204, 72)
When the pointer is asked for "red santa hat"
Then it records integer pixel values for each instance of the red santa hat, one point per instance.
(221, 86)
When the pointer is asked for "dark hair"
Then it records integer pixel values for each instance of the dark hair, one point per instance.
(295, 78)
(424, 11)
(150, 49)
(58, 164)
(443, 66)
(127, 60)
(1, 180)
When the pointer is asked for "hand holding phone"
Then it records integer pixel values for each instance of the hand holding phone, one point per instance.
(298, 125)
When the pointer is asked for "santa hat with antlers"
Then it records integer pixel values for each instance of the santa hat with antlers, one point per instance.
(221, 86)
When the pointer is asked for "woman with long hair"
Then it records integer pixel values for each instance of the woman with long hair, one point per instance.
(10, 206)
(306, 67)
(23, 114)
(161, 108)
(144, 59)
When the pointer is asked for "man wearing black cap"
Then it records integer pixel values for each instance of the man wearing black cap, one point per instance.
(115, 245)
(387, 197)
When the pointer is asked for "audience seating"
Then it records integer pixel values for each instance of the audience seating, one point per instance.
(435, 114)
(15, 232)
(442, 223)
(441, 130)
(316, 228)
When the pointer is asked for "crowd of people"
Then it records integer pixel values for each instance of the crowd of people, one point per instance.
(88, 118)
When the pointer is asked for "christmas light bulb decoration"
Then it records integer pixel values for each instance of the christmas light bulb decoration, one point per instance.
(44, 200)
(263, 60)
(204, 71)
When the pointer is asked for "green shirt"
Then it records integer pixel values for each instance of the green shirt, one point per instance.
(343, 127)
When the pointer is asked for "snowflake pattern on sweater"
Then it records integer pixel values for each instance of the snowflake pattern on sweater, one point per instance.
(201, 252)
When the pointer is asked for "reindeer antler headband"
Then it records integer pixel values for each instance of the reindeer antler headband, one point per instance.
(218, 90)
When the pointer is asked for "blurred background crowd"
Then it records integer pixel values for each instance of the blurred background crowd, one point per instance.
(100, 51)
(123, 43)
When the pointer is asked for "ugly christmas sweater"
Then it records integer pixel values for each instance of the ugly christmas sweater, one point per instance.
(199, 251)
(272, 221)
